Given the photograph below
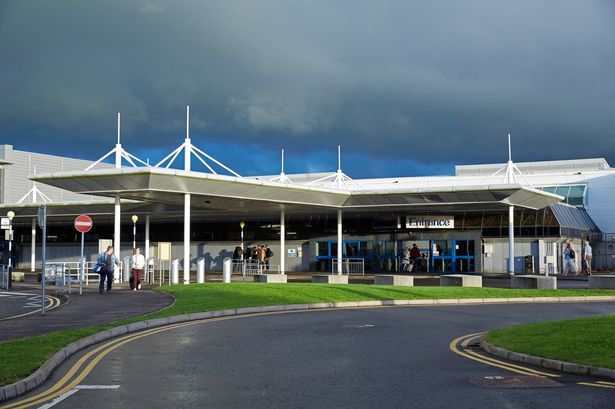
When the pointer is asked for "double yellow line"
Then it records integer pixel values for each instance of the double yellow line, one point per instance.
(599, 384)
(76, 374)
(69, 380)
(460, 347)
(53, 302)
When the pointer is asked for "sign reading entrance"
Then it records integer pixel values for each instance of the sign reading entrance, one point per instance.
(430, 222)
(83, 223)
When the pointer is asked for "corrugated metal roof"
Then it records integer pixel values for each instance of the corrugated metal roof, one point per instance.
(573, 217)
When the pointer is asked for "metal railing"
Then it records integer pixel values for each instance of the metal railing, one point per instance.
(59, 274)
(350, 266)
(4, 276)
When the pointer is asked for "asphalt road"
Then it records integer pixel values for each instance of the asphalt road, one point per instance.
(15, 303)
(367, 358)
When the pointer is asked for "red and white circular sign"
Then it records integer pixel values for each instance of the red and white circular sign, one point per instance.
(83, 223)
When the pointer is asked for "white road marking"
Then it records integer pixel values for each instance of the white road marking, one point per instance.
(35, 302)
(75, 390)
(59, 399)
(97, 386)
(7, 293)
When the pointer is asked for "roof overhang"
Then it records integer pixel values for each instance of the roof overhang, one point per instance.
(233, 194)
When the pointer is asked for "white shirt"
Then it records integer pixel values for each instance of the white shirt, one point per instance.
(138, 261)
(588, 250)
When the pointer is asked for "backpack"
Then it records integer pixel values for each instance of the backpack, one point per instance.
(269, 253)
(101, 265)
(572, 254)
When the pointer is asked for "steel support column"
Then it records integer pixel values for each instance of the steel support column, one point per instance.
(186, 238)
(339, 242)
(33, 247)
(282, 242)
(511, 240)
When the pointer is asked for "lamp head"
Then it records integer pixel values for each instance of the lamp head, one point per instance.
(134, 218)
(10, 214)
(242, 224)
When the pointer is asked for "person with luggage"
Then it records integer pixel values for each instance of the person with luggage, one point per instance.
(105, 266)
(415, 257)
(138, 264)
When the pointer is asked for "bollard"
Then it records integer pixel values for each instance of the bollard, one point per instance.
(226, 270)
(150, 270)
(126, 268)
(175, 272)
(200, 270)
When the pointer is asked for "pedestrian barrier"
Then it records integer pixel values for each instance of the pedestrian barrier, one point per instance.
(250, 268)
(4, 276)
(350, 266)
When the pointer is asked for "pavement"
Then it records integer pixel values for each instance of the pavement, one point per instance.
(395, 357)
(76, 310)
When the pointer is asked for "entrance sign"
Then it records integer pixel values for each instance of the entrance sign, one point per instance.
(83, 223)
(430, 222)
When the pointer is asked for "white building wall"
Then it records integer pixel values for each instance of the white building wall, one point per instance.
(16, 175)
(213, 252)
(601, 202)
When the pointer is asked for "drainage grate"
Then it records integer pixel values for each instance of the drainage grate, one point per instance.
(505, 382)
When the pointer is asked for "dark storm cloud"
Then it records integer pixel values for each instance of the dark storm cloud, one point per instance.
(420, 82)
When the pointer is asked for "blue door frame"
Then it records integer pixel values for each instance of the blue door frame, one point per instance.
(331, 254)
(451, 257)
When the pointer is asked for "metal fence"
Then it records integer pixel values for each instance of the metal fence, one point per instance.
(350, 266)
(603, 258)
(249, 268)
(4, 277)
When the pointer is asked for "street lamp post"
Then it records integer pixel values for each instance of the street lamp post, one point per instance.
(10, 214)
(134, 232)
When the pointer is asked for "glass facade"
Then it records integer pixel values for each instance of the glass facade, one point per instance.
(574, 195)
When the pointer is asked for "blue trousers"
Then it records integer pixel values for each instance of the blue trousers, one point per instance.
(109, 276)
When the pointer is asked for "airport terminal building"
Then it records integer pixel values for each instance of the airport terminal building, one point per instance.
(460, 222)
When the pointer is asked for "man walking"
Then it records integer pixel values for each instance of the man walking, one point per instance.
(587, 259)
(106, 266)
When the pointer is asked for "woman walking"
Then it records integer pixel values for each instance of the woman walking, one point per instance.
(569, 264)
(138, 264)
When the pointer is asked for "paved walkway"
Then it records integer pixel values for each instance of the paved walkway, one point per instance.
(88, 309)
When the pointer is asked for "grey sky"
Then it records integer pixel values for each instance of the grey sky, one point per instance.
(431, 82)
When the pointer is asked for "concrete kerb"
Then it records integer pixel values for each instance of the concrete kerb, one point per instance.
(552, 364)
(25, 385)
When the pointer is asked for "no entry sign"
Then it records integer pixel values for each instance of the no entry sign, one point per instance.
(83, 223)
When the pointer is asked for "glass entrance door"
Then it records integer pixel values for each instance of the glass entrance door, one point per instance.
(326, 251)
(452, 256)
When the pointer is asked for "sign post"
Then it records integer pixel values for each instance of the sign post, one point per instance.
(83, 224)
(42, 222)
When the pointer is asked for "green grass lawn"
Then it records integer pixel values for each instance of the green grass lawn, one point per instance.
(589, 341)
(19, 358)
